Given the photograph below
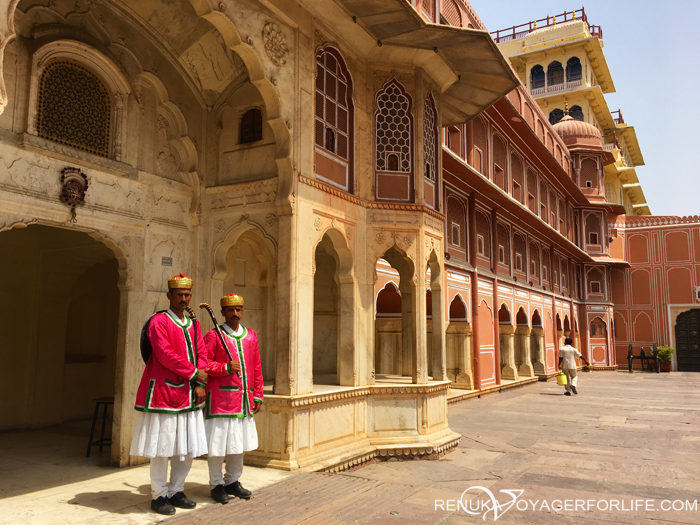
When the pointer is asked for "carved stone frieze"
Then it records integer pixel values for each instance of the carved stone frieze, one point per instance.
(382, 76)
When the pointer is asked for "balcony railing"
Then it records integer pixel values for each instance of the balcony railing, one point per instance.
(555, 88)
(516, 32)
(617, 119)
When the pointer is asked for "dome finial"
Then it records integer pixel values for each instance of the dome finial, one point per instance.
(566, 108)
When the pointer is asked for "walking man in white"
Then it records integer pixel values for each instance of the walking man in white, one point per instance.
(567, 364)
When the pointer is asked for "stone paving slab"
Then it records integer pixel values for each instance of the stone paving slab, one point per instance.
(625, 437)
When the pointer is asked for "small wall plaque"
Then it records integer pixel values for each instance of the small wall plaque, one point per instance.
(166, 261)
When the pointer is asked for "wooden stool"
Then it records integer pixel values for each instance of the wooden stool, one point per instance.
(105, 401)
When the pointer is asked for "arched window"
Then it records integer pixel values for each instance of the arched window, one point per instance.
(519, 253)
(430, 136)
(576, 112)
(516, 170)
(593, 229)
(74, 108)
(483, 235)
(251, 126)
(555, 74)
(537, 77)
(500, 169)
(481, 156)
(573, 69)
(430, 150)
(452, 13)
(394, 142)
(458, 309)
(532, 191)
(503, 245)
(389, 301)
(589, 173)
(555, 116)
(428, 8)
(534, 262)
(456, 223)
(335, 120)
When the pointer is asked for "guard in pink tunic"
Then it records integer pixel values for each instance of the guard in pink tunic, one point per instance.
(170, 428)
(234, 394)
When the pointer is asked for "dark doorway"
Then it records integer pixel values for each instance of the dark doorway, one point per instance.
(688, 341)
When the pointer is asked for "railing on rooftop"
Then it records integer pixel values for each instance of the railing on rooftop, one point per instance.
(516, 32)
(618, 119)
(612, 144)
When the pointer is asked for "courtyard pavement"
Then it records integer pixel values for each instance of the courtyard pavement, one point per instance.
(622, 451)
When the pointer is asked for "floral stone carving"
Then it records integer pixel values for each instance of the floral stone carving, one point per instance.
(275, 44)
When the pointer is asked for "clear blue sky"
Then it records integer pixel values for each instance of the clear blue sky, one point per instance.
(651, 49)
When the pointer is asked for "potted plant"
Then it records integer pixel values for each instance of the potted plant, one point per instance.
(665, 356)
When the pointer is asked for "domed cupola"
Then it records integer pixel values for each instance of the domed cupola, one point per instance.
(578, 134)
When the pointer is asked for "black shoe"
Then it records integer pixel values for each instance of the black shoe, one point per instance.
(573, 389)
(162, 506)
(567, 393)
(236, 489)
(219, 495)
(180, 500)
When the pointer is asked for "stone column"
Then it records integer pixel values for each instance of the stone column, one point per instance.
(538, 351)
(522, 348)
(459, 355)
(507, 337)
(439, 360)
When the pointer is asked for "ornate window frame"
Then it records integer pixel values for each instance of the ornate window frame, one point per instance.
(105, 70)
(405, 171)
(320, 149)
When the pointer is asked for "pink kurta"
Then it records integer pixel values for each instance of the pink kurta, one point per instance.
(225, 391)
(167, 383)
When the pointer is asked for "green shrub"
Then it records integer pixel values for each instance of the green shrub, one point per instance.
(665, 353)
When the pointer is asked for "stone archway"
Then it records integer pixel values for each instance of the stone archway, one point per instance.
(688, 341)
(244, 263)
(458, 345)
(334, 353)
(65, 289)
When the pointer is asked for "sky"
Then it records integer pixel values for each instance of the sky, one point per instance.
(651, 49)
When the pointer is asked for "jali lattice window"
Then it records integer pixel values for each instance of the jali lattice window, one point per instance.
(430, 137)
(394, 127)
(74, 108)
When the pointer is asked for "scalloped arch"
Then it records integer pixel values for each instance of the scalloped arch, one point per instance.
(266, 242)
(256, 73)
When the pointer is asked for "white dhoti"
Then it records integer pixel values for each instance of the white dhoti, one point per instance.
(179, 437)
(229, 439)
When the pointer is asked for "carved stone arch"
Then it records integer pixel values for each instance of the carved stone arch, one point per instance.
(257, 74)
(179, 138)
(521, 318)
(343, 254)
(534, 319)
(400, 260)
(505, 321)
(7, 34)
(458, 297)
(118, 248)
(267, 244)
(389, 282)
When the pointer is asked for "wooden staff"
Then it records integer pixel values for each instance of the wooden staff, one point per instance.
(206, 307)
(194, 319)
